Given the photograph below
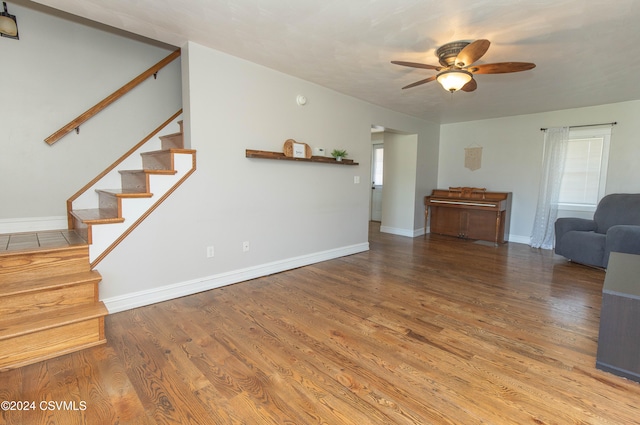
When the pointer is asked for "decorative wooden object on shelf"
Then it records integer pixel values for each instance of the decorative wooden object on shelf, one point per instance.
(469, 213)
(290, 150)
(251, 153)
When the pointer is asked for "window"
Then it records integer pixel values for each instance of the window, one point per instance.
(585, 169)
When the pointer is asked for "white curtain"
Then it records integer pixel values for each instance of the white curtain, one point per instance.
(555, 151)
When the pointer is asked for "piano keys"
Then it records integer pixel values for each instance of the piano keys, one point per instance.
(469, 213)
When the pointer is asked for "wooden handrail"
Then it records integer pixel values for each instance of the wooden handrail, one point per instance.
(82, 118)
(114, 165)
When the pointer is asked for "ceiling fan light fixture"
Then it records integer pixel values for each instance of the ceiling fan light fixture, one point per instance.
(454, 79)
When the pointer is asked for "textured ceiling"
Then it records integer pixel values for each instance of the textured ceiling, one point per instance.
(587, 52)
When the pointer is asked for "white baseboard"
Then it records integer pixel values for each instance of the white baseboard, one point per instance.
(156, 295)
(520, 239)
(32, 224)
(401, 232)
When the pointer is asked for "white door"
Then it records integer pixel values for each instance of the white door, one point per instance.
(376, 179)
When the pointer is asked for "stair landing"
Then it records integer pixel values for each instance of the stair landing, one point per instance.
(48, 239)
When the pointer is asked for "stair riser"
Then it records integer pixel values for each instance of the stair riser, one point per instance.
(108, 202)
(22, 305)
(135, 181)
(82, 230)
(172, 141)
(18, 267)
(37, 346)
(157, 161)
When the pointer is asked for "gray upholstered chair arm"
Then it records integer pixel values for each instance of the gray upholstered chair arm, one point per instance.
(566, 224)
(623, 238)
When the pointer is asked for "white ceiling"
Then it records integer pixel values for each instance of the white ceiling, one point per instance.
(587, 52)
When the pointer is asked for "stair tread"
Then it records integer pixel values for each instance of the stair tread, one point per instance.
(171, 135)
(97, 216)
(148, 171)
(13, 327)
(172, 150)
(48, 283)
(125, 193)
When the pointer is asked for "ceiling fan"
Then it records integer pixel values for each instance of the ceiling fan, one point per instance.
(457, 69)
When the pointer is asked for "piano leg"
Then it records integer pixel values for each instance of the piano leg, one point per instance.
(497, 227)
(426, 216)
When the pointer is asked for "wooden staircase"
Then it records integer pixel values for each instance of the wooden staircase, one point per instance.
(49, 302)
(141, 191)
(135, 184)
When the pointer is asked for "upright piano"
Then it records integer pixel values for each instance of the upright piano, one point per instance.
(469, 212)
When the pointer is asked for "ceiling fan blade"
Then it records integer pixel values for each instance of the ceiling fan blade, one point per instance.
(501, 67)
(470, 86)
(417, 83)
(417, 65)
(472, 52)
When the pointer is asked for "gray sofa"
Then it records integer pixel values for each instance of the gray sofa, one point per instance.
(615, 228)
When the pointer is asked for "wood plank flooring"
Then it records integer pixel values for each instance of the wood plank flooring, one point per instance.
(415, 331)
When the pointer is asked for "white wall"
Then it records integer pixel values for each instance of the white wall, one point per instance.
(57, 70)
(292, 213)
(400, 166)
(512, 155)
(426, 174)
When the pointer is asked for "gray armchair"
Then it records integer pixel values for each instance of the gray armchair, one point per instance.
(615, 228)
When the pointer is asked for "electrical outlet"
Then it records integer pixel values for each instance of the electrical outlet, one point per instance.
(210, 251)
(356, 179)
(245, 246)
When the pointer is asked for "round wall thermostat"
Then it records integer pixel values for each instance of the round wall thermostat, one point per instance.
(301, 100)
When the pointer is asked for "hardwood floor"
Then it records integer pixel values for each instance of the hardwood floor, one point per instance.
(415, 331)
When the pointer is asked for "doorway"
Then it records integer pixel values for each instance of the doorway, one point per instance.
(377, 177)
(394, 178)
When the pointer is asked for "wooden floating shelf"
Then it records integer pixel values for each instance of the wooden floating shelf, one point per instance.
(279, 155)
